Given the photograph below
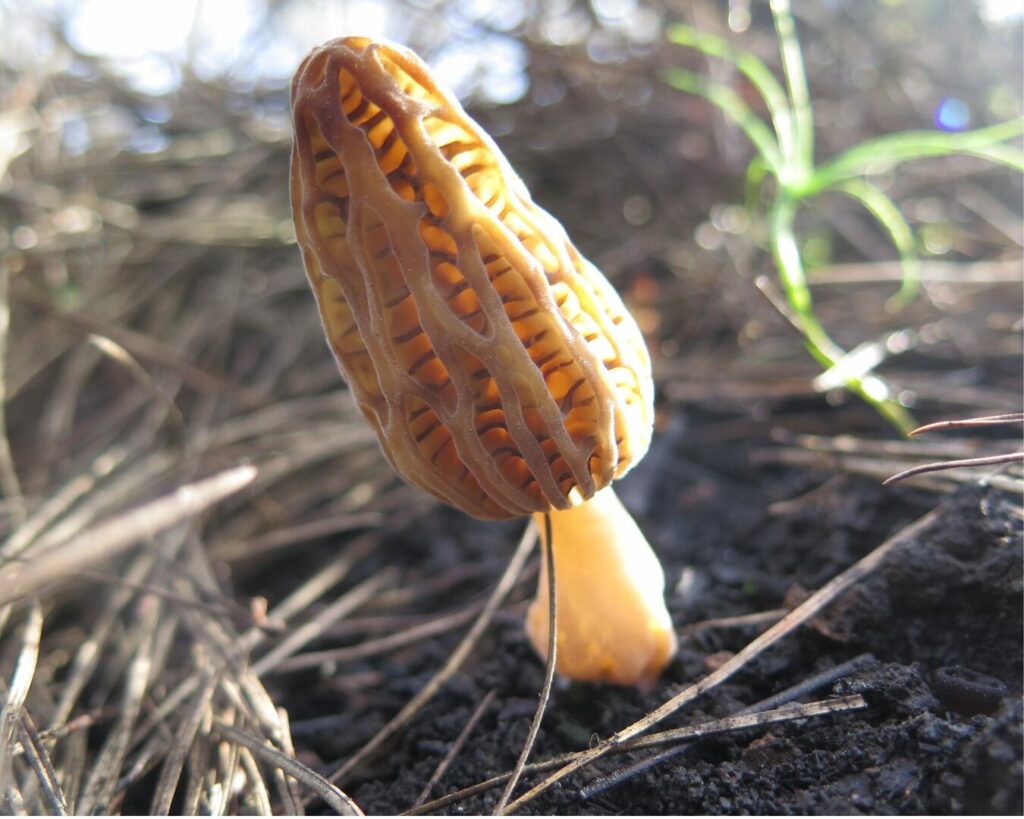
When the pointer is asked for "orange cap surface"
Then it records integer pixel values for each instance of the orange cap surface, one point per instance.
(499, 368)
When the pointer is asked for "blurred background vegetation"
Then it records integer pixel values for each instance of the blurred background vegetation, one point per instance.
(156, 327)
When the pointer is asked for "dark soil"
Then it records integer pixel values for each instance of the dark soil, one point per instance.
(935, 635)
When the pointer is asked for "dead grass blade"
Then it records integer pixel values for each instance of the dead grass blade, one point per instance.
(115, 352)
(258, 793)
(285, 785)
(368, 648)
(549, 672)
(89, 652)
(15, 719)
(222, 788)
(101, 783)
(775, 703)
(332, 796)
(984, 421)
(196, 766)
(739, 722)
(8, 474)
(139, 345)
(758, 618)
(345, 604)
(39, 759)
(800, 615)
(453, 752)
(314, 588)
(879, 468)
(174, 761)
(114, 536)
(941, 466)
(455, 660)
(301, 598)
(700, 730)
(17, 693)
(288, 537)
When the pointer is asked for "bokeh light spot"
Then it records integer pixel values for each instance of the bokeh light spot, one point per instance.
(952, 114)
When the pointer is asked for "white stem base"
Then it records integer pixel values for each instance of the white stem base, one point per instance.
(612, 622)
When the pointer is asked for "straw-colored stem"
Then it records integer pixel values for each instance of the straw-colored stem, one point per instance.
(612, 622)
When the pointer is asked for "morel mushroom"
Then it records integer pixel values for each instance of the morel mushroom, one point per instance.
(498, 367)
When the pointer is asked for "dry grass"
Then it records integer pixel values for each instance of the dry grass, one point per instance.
(161, 361)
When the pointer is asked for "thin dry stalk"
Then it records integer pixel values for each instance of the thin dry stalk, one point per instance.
(290, 536)
(72, 764)
(101, 783)
(369, 648)
(14, 703)
(758, 618)
(605, 782)
(65, 497)
(701, 730)
(942, 466)
(296, 602)
(853, 445)
(8, 474)
(258, 794)
(340, 608)
(196, 766)
(90, 650)
(313, 589)
(880, 469)
(453, 752)
(332, 796)
(549, 672)
(39, 759)
(220, 790)
(115, 352)
(786, 713)
(174, 761)
(455, 660)
(285, 785)
(984, 421)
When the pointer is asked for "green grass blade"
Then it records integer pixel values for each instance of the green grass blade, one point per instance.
(759, 75)
(825, 351)
(753, 183)
(878, 155)
(796, 82)
(787, 258)
(889, 217)
(1000, 155)
(730, 103)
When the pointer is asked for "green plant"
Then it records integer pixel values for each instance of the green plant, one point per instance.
(785, 152)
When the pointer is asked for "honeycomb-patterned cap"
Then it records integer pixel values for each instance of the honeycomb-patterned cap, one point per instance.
(499, 367)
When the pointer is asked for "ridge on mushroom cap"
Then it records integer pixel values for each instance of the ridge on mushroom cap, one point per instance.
(499, 368)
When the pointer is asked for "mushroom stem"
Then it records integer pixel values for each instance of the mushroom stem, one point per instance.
(612, 622)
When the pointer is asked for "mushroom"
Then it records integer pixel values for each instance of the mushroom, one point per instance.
(499, 368)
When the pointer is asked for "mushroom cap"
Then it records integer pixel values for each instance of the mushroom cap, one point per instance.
(499, 368)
